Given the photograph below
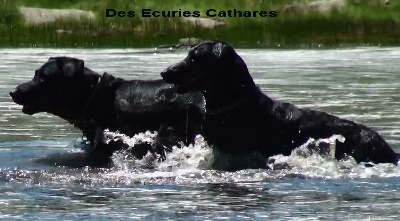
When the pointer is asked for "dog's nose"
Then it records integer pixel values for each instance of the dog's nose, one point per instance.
(169, 75)
(16, 95)
(164, 73)
(13, 92)
(172, 70)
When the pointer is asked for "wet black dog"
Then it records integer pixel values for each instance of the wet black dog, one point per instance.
(240, 118)
(64, 87)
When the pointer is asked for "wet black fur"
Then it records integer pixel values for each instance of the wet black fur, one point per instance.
(63, 86)
(240, 118)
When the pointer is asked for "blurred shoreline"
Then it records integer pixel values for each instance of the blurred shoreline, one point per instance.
(298, 24)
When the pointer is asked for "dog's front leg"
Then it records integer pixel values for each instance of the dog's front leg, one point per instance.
(165, 140)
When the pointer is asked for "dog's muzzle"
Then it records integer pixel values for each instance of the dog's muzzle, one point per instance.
(173, 72)
(15, 94)
(168, 75)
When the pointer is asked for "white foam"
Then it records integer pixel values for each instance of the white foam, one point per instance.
(194, 156)
(147, 137)
(199, 163)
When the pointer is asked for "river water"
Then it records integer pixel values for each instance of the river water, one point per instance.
(361, 84)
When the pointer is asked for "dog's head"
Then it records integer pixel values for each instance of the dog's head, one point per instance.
(57, 87)
(206, 61)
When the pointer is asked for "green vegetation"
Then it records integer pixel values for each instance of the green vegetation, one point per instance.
(368, 22)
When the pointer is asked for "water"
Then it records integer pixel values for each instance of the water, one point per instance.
(359, 84)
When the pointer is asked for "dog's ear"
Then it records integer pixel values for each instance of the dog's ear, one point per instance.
(223, 50)
(71, 67)
(74, 68)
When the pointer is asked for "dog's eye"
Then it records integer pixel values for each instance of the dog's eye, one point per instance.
(38, 77)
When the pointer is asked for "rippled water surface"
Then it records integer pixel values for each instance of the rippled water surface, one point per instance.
(360, 84)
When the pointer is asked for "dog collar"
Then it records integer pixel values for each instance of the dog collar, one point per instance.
(80, 121)
(91, 96)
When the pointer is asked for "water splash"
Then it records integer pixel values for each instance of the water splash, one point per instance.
(199, 163)
(316, 159)
(146, 137)
(194, 156)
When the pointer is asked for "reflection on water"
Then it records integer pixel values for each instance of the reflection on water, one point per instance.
(359, 84)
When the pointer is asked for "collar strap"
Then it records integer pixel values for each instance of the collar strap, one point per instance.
(226, 108)
(92, 95)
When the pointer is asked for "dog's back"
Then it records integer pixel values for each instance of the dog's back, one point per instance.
(145, 105)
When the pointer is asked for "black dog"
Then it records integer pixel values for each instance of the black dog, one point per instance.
(240, 118)
(66, 88)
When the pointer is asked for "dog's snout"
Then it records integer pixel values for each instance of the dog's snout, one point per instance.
(19, 94)
(164, 73)
(174, 71)
(13, 92)
(168, 73)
